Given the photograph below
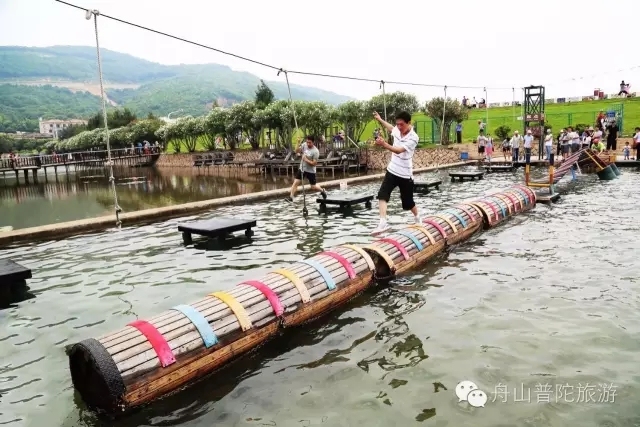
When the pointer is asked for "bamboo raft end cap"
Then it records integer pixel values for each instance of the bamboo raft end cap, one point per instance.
(95, 375)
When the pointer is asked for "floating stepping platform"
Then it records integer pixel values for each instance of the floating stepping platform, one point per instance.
(345, 201)
(627, 163)
(546, 197)
(462, 176)
(218, 227)
(498, 168)
(13, 279)
(424, 186)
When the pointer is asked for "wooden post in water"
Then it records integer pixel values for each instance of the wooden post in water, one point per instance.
(551, 171)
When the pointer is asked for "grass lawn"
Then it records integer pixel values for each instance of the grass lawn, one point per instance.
(559, 115)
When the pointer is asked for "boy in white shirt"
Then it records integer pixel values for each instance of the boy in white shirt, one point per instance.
(400, 169)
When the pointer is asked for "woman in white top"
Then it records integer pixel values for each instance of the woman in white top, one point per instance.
(548, 144)
(574, 141)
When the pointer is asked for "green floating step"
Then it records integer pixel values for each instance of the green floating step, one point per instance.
(607, 174)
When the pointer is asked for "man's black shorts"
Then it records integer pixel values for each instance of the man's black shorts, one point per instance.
(311, 177)
(390, 182)
(612, 144)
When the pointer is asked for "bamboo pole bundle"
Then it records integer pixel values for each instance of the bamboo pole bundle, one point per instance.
(148, 359)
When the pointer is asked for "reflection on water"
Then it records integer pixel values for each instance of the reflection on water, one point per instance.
(550, 297)
(87, 194)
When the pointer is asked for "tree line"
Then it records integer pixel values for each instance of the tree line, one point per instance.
(249, 120)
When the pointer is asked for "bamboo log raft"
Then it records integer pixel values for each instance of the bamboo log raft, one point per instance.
(148, 359)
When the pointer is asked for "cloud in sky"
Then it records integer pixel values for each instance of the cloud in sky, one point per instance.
(570, 46)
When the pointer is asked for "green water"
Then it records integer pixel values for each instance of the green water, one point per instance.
(546, 300)
(87, 194)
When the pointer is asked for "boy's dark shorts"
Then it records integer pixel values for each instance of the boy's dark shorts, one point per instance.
(311, 177)
(390, 182)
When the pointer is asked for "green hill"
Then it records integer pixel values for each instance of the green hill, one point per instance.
(21, 106)
(141, 85)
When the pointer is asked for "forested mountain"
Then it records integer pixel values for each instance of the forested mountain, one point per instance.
(20, 106)
(143, 86)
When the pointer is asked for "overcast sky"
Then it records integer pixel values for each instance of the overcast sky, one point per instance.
(571, 46)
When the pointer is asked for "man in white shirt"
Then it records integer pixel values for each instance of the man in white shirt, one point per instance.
(516, 140)
(528, 143)
(400, 169)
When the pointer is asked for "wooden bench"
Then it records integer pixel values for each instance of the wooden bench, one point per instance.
(13, 279)
(498, 168)
(424, 186)
(218, 227)
(461, 176)
(345, 201)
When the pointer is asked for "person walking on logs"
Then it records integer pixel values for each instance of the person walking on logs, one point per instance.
(400, 169)
(310, 155)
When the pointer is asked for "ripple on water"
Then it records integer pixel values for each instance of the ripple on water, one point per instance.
(548, 298)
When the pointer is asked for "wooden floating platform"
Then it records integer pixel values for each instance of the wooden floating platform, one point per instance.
(345, 200)
(147, 359)
(627, 163)
(466, 175)
(11, 271)
(498, 168)
(218, 227)
(424, 186)
(546, 197)
(535, 163)
(13, 279)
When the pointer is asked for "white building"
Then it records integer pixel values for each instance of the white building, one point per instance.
(52, 127)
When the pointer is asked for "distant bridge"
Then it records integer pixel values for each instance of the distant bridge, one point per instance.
(133, 157)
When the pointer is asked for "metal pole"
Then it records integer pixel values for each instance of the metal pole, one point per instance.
(444, 109)
(384, 99)
(486, 111)
(112, 180)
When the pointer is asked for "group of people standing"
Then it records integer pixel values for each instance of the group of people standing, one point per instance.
(510, 147)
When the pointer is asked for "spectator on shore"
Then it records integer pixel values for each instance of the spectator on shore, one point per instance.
(566, 144)
(506, 149)
(516, 141)
(574, 140)
(474, 104)
(482, 104)
(548, 145)
(481, 126)
(459, 133)
(528, 143)
(465, 101)
(598, 147)
(561, 138)
(488, 149)
(586, 137)
(600, 119)
(626, 150)
(612, 135)
(482, 141)
(636, 143)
